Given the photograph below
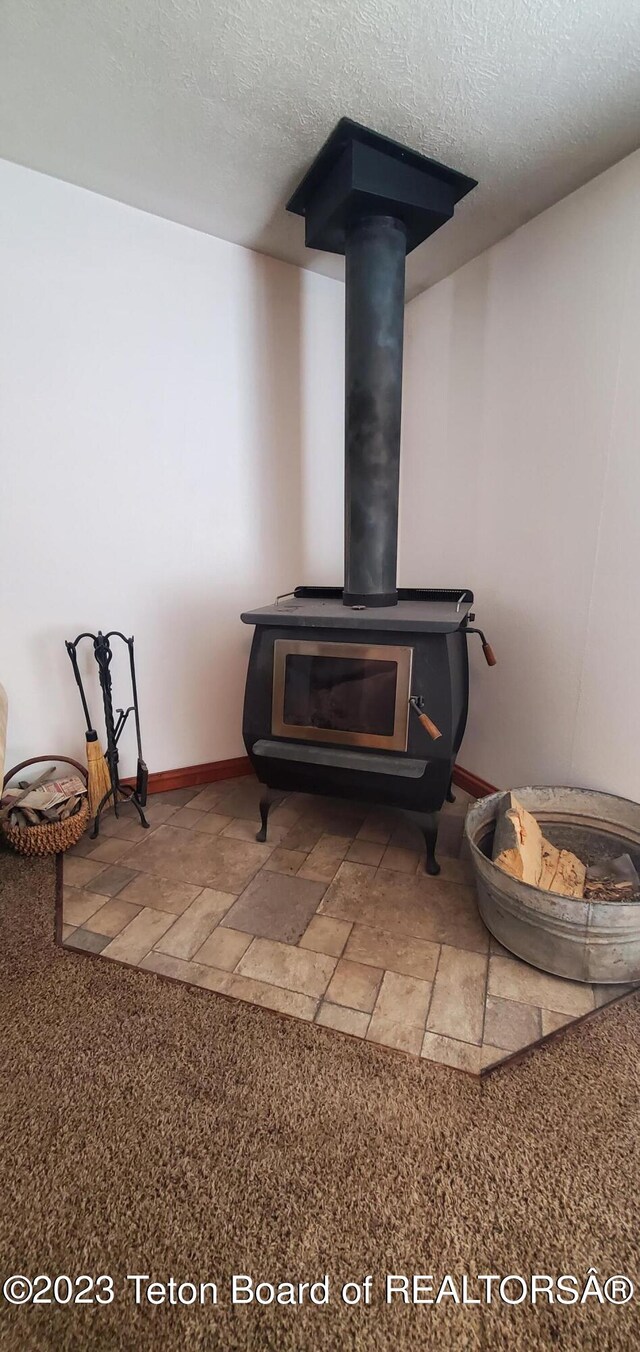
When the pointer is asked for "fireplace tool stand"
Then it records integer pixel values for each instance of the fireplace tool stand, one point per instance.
(103, 654)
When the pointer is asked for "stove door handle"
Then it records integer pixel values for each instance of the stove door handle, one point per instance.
(489, 655)
(427, 723)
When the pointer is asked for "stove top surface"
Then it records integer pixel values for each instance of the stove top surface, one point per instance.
(419, 610)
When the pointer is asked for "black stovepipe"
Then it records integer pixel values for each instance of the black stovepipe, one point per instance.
(375, 253)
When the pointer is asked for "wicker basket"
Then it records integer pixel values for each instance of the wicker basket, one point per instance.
(47, 837)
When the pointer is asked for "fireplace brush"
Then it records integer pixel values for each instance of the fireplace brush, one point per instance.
(98, 779)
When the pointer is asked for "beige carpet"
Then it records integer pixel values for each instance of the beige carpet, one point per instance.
(148, 1127)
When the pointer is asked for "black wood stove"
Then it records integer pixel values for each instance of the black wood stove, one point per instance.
(362, 692)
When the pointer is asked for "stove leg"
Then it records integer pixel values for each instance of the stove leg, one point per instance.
(430, 833)
(267, 801)
(428, 823)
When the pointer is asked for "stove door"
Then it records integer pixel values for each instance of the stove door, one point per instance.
(354, 694)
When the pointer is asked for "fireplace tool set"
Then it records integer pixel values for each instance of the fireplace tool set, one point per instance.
(106, 776)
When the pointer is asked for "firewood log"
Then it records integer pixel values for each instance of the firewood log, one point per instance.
(517, 845)
(520, 849)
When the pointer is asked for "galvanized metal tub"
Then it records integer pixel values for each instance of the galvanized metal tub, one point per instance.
(583, 940)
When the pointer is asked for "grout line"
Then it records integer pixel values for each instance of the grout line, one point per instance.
(433, 987)
(477, 1046)
(383, 971)
(252, 940)
(485, 996)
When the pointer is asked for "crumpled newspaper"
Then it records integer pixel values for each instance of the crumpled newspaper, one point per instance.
(43, 800)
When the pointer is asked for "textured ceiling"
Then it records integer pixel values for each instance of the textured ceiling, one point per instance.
(208, 114)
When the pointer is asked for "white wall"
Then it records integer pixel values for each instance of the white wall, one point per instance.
(169, 408)
(521, 479)
(171, 416)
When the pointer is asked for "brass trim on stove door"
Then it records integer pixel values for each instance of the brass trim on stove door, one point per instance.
(381, 652)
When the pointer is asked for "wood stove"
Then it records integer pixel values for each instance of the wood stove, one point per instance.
(361, 692)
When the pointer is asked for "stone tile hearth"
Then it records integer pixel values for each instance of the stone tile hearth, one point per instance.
(332, 920)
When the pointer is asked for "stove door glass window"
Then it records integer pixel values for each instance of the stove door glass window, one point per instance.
(342, 692)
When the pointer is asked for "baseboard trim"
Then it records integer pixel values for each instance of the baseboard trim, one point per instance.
(473, 784)
(190, 775)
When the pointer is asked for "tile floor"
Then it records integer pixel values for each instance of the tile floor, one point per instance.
(332, 921)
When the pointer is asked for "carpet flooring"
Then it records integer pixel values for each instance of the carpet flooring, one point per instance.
(148, 1127)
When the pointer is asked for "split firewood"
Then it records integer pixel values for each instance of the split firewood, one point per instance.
(517, 845)
(15, 796)
(520, 849)
(29, 816)
(20, 814)
(570, 874)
